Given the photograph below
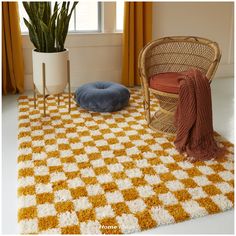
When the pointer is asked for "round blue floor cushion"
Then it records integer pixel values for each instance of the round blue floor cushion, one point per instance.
(102, 96)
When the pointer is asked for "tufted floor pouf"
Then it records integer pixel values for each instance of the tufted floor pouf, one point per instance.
(102, 96)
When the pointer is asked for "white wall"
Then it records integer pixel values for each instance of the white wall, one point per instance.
(97, 57)
(213, 20)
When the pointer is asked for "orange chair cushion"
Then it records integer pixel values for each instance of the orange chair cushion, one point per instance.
(166, 82)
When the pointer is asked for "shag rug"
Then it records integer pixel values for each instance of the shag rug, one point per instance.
(88, 172)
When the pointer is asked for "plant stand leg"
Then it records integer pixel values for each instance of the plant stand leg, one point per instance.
(58, 99)
(34, 96)
(44, 88)
(68, 80)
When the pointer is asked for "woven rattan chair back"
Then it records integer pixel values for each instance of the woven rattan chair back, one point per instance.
(174, 54)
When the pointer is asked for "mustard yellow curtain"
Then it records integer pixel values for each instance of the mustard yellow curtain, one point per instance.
(12, 55)
(137, 33)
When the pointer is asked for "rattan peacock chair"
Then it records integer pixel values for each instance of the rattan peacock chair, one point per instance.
(173, 54)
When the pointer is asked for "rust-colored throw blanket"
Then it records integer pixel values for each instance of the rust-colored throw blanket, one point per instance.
(193, 118)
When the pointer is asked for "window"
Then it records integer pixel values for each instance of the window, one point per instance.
(86, 17)
(119, 15)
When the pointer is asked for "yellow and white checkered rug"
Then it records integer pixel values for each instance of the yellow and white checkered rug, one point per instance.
(88, 172)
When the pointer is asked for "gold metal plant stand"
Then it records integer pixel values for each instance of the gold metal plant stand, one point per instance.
(58, 95)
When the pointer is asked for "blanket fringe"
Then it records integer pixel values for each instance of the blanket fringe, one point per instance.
(202, 150)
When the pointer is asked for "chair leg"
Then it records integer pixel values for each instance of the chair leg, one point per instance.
(146, 104)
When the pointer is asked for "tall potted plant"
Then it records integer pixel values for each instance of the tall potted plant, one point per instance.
(48, 28)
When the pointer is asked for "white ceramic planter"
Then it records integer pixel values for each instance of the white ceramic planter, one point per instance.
(55, 71)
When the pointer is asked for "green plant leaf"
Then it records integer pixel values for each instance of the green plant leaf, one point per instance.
(29, 11)
(32, 34)
(56, 5)
(41, 9)
(48, 37)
